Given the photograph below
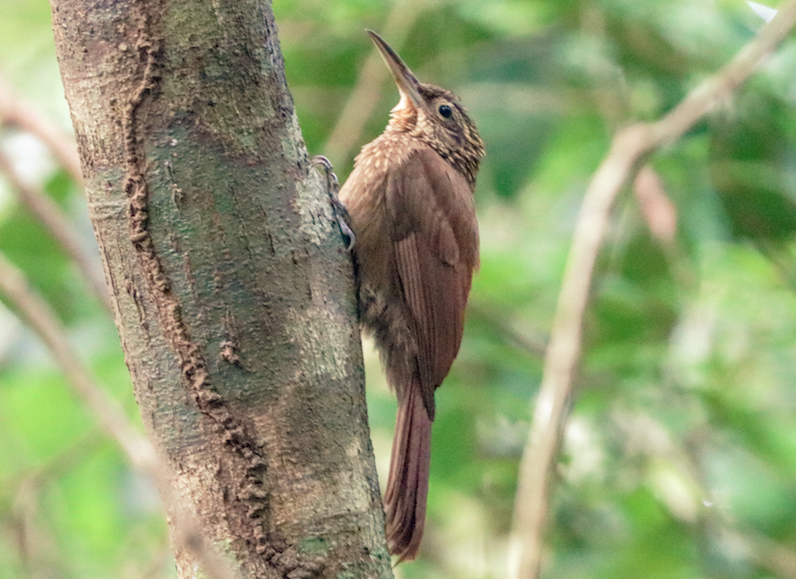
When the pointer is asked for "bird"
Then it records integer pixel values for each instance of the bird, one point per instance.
(410, 201)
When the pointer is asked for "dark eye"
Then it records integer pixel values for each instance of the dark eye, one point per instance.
(445, 110)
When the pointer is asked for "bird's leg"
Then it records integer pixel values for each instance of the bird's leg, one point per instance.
(338, 208)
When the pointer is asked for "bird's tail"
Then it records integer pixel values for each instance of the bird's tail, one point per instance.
(407, 485)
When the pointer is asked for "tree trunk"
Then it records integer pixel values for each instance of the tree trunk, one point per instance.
(232, 292)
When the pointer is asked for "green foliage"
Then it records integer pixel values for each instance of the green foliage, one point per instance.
(680, 456)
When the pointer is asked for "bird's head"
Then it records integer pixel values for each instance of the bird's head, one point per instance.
(432, 114)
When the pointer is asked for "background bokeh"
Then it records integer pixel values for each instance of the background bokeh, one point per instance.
(680, 454)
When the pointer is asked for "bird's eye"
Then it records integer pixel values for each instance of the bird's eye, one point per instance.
(445, 110)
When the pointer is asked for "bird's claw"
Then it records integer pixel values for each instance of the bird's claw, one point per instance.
(323, 163)
(339, 209)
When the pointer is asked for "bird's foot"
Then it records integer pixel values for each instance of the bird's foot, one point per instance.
(338, 208)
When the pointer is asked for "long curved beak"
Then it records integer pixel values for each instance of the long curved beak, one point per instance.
(406, 81)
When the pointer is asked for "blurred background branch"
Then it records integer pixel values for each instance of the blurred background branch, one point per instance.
(47, 212)
(18, 112)
(551, 406)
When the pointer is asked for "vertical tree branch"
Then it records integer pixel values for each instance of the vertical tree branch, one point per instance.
(564, 351)
(232, 291)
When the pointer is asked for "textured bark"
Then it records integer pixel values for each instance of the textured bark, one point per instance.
(232, 291)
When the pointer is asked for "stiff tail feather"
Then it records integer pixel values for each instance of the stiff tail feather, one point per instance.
(407, 485)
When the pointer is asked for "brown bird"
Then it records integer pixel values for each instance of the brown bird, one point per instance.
(410, 201)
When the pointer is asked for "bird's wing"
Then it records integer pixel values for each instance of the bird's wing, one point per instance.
(435, 241)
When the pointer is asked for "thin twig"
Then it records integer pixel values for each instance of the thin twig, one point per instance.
(629, 147)
(348, 129)
(34, 542)
(534, 344)
(14, 110)
(56, 223)
(37, 315)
